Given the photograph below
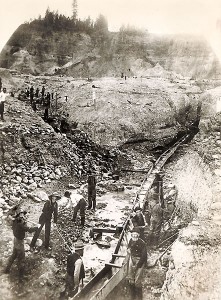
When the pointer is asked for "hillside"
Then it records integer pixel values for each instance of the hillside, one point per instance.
(89, 51)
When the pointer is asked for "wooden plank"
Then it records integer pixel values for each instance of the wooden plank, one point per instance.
(101, 229)
(112, 265)
(118, 255)
(89, 292)
(111, 284)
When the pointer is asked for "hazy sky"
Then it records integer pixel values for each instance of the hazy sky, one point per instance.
(166, 16)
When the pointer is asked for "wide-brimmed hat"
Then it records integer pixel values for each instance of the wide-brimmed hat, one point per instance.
(55, 194)
(79, 245)
(137, 207)
(135, 230)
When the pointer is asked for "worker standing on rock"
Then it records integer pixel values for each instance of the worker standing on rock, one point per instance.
(19, 228)
(37, 92)
(91, 190)
(75, 270)
(47, 104)
(3, 95)
(137, 251)
(50, 208)
(31, 94)
(42, 92)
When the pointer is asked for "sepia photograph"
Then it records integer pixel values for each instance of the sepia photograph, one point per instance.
(110, 150)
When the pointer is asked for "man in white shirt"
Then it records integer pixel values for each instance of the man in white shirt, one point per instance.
(3, 95)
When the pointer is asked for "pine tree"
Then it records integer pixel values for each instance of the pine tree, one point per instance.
(75, 10)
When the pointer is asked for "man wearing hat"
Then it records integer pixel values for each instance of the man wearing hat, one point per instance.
(50, 208)
(75, 269)
(137, 260)
(19, 227)
(138, 220)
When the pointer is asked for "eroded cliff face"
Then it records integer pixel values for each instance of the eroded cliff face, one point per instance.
(85, 55)
(195, 272)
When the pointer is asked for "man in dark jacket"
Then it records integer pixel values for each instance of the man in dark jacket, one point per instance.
(91, 191)
(19, 227)
(75, 270)
(138, 221)
(43, 92)
(37, 92)
(50, 208)
(137, 251)
(31, 94)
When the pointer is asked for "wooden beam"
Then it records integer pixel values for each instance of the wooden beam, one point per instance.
(101, 229)
(112, 265)
(118, 255)
(135, 171)
(118, 229)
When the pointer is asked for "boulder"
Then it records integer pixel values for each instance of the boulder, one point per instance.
(42, 195)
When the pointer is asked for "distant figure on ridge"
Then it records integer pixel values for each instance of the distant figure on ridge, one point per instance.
(3, 95)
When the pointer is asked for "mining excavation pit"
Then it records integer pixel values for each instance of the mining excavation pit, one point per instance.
(120, 177)
(113, 208)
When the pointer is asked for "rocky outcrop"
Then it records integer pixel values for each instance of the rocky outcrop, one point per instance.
(33, 155)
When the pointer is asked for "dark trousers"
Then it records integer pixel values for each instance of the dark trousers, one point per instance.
(91, 197)
(80, 206)
(2, 106)
(47, 234)
(19, 254)
(155, 225)
(70, 289)
(46, 114)
(136, 293)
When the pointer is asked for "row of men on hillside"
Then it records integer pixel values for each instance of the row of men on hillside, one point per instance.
(40, 97)
(31, 93)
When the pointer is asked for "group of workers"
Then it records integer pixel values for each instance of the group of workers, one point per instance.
(47, 101)
(41, 97)
(137, 250)
(18, 217)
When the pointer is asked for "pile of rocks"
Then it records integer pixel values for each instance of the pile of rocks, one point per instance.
(33, 155)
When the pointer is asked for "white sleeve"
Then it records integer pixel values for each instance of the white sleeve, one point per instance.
(77, 270)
